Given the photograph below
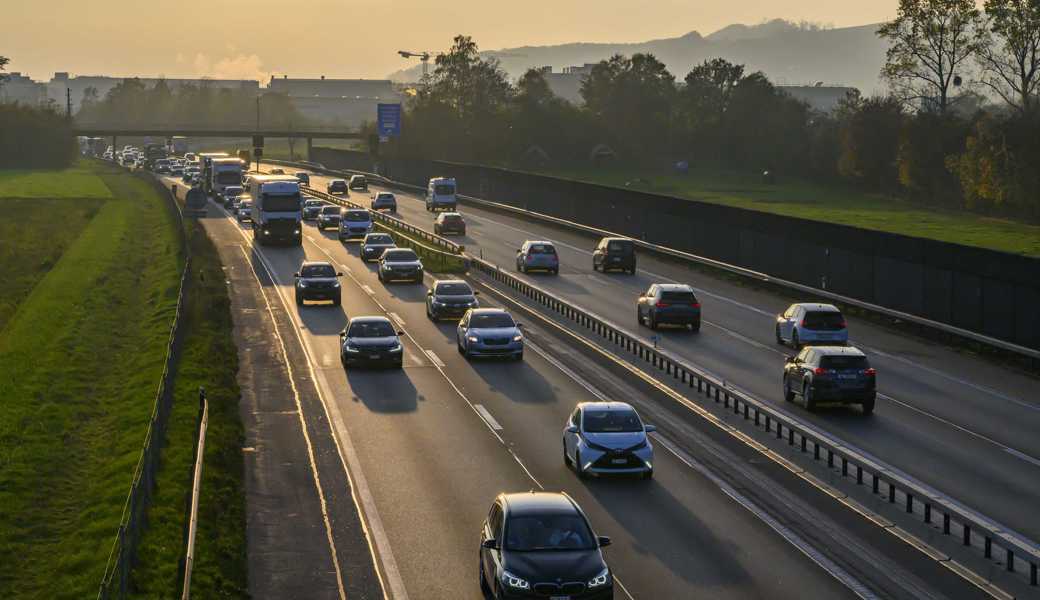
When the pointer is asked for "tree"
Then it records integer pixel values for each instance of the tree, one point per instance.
(632, 99)
(1010, 51)
(3, 65)
(930, 42)
(997, 169)
(709, 87)
(870, 139)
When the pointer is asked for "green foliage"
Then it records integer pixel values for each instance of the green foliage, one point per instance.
(35, 137)
(1009, 52)
(998, 168)
(79, 181)
(924, 146)
(631, 100)
(869, 140)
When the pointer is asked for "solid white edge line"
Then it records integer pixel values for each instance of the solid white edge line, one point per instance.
(484, 414)
(434, 358)
(386, 565)
(303, 427)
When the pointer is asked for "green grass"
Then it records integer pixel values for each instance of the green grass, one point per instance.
(209, 360)
(24, 260)
(79, 181)
(830, 203)
(79, 364)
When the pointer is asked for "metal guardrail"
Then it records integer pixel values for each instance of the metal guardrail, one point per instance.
(854, 464)
(193, 512)
(734, 269)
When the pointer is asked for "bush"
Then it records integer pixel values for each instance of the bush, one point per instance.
(35, 138)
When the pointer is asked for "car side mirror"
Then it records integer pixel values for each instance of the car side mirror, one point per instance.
(519, 325)
(476, 293)
(400, 333)
(572, 429)
(339, 273)
(603, 540)
(490, 544)
(518, 250)
(429, 292)
(296, 275)
(650, 428)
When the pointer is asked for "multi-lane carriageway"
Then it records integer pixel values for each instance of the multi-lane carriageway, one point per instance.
(436, 442)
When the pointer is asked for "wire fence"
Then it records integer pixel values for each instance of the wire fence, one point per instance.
(115, 582)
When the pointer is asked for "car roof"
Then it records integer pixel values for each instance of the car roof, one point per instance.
(614, 406)
(674, 287)
(838, 350)
(489, 311)
(358, 210)
(816, 306)
(528, 503)
(379, 233)
(315, 263)
(337, 180)
(617, 239)
(450, 213)
(370, 319)
(547, 242)
(440, 281)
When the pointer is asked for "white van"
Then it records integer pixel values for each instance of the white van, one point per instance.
(440, 194)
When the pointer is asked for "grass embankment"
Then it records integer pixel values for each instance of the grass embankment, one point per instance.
(79, 363)
(209, 360)
(830, 203)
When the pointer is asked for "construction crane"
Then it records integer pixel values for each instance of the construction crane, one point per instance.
(423, 56)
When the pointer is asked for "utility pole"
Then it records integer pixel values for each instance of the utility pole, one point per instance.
(68, 105)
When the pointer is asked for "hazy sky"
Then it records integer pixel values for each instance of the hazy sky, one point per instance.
(350, 38)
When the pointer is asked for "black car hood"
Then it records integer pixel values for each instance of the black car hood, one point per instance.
(454, 299)
(373, 342)
(548, 566)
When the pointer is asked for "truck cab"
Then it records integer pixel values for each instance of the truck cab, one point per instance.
(277, 209)
(205, 173)
(224, 173)
(440, 194)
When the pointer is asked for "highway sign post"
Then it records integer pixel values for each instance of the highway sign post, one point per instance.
(388, 118)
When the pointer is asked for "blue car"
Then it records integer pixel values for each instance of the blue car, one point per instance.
(489, 332)
(537, 255)
(811, 323)
(608, 438)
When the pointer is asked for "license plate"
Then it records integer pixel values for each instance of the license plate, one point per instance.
(615, 259)
(559, 598)
(374, 356)
(618, 461)
(847, 376)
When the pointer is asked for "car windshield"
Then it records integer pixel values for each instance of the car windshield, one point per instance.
(313, 203)
(302, 176)
(338, 183)
(400, 256)
(330, 210)
(453, 289)
(532, 533)
(358, 215)
(379, 239)
(385, 197)
(823, 320)
(357, 179)
(443, 189)
(232, 190)
(226, 177)
(844, 362)
(612, 421)
(541, 249)
(686, 297)
(491, 321)
(317, 271)
(370, 329)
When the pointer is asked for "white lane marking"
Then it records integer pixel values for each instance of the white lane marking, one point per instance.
(458, 391)
(484, 414)
(397, 318)
(825, 563)
(368, 290)
(345, 268)
(792, 538)
(623, 588)
(434, 358)
(360, 493)
(306, 435)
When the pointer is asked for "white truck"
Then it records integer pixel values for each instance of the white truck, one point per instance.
(277, 209)
(440, 194)
(224, 172)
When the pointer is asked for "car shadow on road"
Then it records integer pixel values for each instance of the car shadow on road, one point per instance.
(383, 389)
(323, 318)
(516, 381)
(675, 535)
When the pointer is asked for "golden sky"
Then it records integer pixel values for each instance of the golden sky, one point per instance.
(351, 38)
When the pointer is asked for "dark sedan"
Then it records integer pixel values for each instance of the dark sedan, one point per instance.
(450, 298)
(329, 217)
(370, 341)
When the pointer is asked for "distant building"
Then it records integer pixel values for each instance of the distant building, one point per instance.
(23, 90)
(567, 84)
(823, 98)
(341, 101)
(102, 84)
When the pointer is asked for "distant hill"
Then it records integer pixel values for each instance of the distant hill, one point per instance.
(788, 53)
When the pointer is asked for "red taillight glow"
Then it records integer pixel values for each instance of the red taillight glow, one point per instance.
(802, 324)
(696, 305)
(870, 372)
(820, 371)
(662, 305)
(842, 325)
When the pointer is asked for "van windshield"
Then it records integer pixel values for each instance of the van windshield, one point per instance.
(281, 202)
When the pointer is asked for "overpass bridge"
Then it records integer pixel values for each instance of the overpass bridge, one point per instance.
(168, 131)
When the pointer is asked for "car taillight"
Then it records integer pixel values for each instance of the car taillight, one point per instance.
(802, 324)
(842, 325)
(696, 305)
(820, 371)
(662, 305)
(871, 372)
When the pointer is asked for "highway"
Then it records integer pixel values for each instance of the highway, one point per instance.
(432, 445)
(954, 421)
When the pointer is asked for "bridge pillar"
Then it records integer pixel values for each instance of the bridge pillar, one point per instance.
(113, 147)
(310, 144)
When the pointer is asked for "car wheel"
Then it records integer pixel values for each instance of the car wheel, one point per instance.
(639, 317)
(343, 359)
(594, 267)
(651, 321)
(648, 475)
(577, 466)
(519, 356)
(458, 345)
(566, 459)
(779, 340)
(485, 589)
(788, 393)
(429, 314)
(337, 301)
(556, 271)
(868, 406)
(632, 271)
(299, 300)
(810, 401)
(695, 327)
(794, 340)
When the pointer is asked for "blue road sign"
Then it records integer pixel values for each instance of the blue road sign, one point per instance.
(388, 116)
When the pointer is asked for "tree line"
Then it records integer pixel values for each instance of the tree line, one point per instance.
(34, 137)
(960, 127)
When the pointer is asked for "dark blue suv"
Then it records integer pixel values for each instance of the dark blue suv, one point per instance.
(669, 304)
(840, 374)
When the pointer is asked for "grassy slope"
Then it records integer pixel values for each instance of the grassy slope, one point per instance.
(79, 365)
(835, 204)
(79, 181)
(209, 360)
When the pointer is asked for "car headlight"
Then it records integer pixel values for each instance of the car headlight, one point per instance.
(296, 232)
(437, 303)
(352, 348)
(266, 232)
(396, 348)
(517, 337)
(472, 338)
(601, 579)
(335, 284)
(515, 582)
(303, 283)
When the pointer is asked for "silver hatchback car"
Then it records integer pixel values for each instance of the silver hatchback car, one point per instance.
(811, 323)
(605, 438)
